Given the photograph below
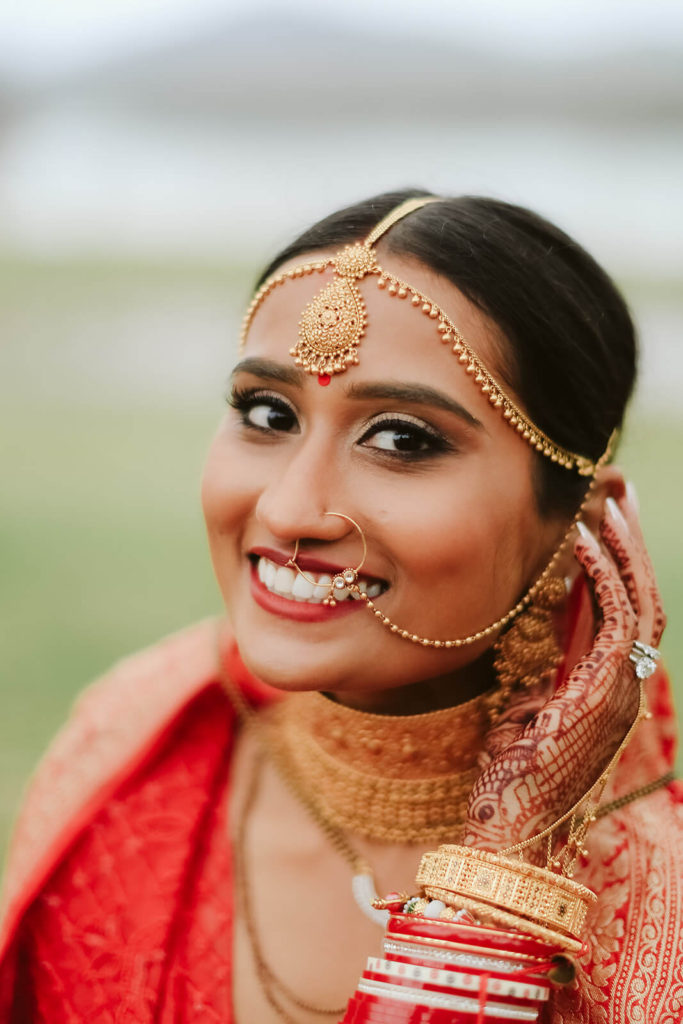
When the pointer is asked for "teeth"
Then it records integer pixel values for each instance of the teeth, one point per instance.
(286, 582)
(302, 589)
(269, 574)
(323, 588)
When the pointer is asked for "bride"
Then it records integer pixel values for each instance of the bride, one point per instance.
(441, 628)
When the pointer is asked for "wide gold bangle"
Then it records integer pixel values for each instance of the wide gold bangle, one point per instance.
(514, 886)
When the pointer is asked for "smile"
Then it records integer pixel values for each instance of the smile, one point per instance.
(288, 583)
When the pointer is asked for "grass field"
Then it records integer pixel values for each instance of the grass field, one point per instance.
(101, 540)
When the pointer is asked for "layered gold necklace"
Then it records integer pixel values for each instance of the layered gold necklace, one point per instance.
(397, 779)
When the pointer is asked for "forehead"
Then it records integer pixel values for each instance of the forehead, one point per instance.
(400, 341)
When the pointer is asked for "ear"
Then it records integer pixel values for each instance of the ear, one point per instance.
(609, 483)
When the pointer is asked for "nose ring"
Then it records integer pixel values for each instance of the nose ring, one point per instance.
(347, 579)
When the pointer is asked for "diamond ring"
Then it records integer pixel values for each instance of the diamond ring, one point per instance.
(644, 659)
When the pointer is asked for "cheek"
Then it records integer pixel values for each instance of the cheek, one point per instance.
(224, 494)
(475, 533)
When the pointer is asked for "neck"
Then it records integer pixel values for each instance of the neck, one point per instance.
(393, 778)
(432, 694)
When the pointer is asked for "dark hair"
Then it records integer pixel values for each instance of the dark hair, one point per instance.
(572, 358)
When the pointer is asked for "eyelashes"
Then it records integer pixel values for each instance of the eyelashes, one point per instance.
(403, 438)
(265, 411)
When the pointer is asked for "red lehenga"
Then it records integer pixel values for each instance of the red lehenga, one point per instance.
(118, 898)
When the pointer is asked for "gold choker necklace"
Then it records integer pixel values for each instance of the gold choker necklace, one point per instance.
(398, 779)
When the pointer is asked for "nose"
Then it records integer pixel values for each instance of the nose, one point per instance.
(293, 503)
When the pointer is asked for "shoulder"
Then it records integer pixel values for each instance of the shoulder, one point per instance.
(113, 726)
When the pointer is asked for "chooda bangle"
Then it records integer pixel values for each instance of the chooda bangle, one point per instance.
(514, 886)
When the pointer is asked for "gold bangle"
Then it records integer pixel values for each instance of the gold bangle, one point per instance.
(494, 916)
(512, 886)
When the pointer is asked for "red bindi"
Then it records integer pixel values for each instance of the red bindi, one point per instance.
(324, 379)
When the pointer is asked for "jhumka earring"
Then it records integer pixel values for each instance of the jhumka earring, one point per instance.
(527, 655)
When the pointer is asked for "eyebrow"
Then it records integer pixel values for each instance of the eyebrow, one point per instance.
(414, 394)
(268, 369)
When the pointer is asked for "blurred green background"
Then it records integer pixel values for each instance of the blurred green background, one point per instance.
(152, 155)
(101, 536)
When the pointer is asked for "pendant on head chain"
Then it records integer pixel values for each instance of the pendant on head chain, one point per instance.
(334, 321)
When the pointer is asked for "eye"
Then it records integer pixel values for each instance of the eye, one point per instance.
(403, 437)
(265, 411)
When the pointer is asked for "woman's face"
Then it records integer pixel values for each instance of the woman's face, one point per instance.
(407, 446)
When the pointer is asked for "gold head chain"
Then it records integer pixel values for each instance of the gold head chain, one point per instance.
(330, 330)
(334, 322)
(499, 888)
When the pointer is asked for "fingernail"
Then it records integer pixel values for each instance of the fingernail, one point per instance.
(615, 512)
(632, 495)
(585, 533)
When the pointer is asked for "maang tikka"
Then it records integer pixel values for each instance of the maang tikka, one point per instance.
(331, 327)
(333, 323)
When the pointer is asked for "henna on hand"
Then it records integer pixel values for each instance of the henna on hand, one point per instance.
(650, 611)
(563, 750)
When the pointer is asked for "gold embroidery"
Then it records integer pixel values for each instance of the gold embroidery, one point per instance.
(634, 971)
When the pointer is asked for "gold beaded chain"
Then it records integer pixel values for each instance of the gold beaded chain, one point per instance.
(334, 322)
(345, 581)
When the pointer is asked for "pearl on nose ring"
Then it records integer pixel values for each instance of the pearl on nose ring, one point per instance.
(345, 580)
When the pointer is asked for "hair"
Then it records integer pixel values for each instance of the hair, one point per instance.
(572, 346)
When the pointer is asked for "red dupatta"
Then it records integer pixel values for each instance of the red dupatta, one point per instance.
(118, 897)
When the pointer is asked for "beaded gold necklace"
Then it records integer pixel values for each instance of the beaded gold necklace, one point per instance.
(396, 779)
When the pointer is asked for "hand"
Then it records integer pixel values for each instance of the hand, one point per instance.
(561, 753)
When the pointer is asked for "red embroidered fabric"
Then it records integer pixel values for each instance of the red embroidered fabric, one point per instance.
(132, 920)
(140, 908)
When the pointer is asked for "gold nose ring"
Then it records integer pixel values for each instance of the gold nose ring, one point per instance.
(347, 579)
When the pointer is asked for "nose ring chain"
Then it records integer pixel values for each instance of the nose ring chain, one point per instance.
(347, 579)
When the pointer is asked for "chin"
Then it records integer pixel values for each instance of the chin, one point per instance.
(290, 667)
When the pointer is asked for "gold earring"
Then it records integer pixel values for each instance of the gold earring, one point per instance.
(527, 654)
(347, 579)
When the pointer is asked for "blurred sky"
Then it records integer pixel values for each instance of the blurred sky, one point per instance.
(38, 37)
(199, 131)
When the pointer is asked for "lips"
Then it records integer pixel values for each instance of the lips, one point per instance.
(310, 564)
(279, 588)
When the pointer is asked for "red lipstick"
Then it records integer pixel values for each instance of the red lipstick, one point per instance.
(308, 563)
(299, 611)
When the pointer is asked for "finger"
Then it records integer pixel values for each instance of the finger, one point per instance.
(619, 622)
(617, 538)
(559, 755)
(628, 506)
(523, 704)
